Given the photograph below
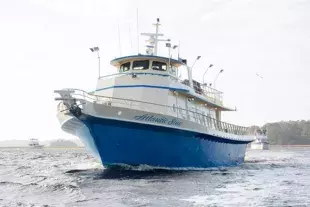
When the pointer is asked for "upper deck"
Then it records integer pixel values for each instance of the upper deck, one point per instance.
(152, 71)
(146, 65)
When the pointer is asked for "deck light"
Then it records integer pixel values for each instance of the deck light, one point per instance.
(169, 49)
(221, 71)
(198, 57)
(203, 79)
(96, 49)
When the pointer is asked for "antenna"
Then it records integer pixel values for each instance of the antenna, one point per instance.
(119, 41)
(130, 38)
(138, 29)
(156, 42)
(179, 50)
(153, 40)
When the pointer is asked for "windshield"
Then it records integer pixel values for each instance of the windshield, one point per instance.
(141, 65)
(159, 66)
(125, 67)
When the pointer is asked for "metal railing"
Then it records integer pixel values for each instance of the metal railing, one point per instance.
(175, 111)
(211, 94)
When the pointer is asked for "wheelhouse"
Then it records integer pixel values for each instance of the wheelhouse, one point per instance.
(146, 63)
(162, 66)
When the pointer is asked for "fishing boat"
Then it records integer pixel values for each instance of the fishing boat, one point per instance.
(34, 143)
(261, 140)
(144, 114)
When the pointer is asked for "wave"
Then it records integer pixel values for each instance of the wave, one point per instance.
(10, 183)
(152, 168)
(62, 186)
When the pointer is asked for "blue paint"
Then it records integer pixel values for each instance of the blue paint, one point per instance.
(143, 86)
(123, 142)
(89, 142)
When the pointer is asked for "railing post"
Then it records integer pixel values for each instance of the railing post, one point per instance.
(215, 124)
(209, 122)
(204, 120)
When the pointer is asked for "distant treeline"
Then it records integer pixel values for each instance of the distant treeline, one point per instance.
(288, 133)
(63, 143)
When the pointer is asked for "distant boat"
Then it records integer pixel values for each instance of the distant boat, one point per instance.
(34, 143)
(261, 140)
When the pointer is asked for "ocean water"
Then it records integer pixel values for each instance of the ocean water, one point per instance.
(70, 177)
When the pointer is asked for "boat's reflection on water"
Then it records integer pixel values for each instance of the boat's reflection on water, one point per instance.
(128, 173)
(120, 172)
(140, 172)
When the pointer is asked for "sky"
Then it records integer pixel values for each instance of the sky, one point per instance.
(44, 45)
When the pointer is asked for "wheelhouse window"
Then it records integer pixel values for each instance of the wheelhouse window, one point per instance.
(125, 67)
(159, 66)
(141, 65)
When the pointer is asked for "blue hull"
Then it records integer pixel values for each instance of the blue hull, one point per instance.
(120, 142)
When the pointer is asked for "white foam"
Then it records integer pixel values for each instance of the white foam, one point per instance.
(89, 165)
(197, 199)
(150, 168)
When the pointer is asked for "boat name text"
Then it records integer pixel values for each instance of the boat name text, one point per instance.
(156, 119)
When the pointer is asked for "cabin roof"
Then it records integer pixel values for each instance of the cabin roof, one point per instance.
(118, 61)
(206, 101)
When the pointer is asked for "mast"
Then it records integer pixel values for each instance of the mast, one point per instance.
(156, 41)
(152, 48)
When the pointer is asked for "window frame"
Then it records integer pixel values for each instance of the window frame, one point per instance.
(122, 70)
(133, 62)
(163, 63)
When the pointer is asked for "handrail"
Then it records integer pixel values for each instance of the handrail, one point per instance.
(212, 94)
(202, 85)
(199, 118)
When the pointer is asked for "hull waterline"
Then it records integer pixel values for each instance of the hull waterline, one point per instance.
(120, 142)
